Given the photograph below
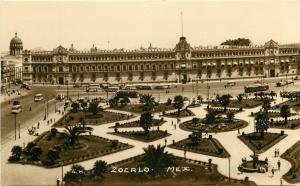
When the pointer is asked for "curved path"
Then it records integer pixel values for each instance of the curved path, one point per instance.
(16, 174)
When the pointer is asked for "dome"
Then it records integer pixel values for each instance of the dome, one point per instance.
(16, 40)
(16, 46)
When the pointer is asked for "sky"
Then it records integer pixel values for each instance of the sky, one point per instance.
(130, 25)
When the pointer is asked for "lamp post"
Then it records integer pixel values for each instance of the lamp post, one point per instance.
(19, 130)
(47, 107)
(15, 116)
(229, 169)
(62, 173)
(67, 82)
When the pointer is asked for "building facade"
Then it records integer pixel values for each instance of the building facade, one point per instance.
(11, 69)
(179, 64)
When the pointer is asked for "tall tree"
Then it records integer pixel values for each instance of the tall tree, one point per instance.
(266, 105)
(148, 101)
(240, 98)
(224, 100)
(145, 121)
(157, 159)
(230, 116)
(195, 137)
(210, 117)
(285, 112)
(178, 104)
(261, 123)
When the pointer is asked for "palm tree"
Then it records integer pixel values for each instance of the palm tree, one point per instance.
(266, 105)
(16, 153)
(178, 104)
(224, 100)
(195, 137)
(261, 123)
(76, 172)
(145, 121)
(230, 116)
(157, 160)
(210, 116)
(148, 101)
(240, 98)
(285, 112)
(195, 121)
(75, 106)
(94, 108)
(73, 132)
(100, 167)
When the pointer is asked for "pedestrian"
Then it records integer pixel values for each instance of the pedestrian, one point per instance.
(266, 160)
(175, 126)
(38, 125)
(47, 122)
(275, 152)
(30, 109)
(278, 164)
(172, 123)
(184, 153)
(238, 131)
(273, 171)
(165, 142)
(280, 181)
(57, 182)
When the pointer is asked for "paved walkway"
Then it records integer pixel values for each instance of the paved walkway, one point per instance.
(35, 175)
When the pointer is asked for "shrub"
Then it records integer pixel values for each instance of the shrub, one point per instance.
(114, 143)
(28, 148)
(53, 132)
(16, 154)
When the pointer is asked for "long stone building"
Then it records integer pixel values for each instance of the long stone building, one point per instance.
(182, 63)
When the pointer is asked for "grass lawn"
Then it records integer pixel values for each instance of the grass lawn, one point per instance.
(258, 144)
(190, 177)
(245, 103)
(211, 147)
(140, 135)
(88, 147)
(183, 113)
(90, 119)
(293, 156)
(155, 122)
(138, 108)
(292, 104)
(220, 125)
(220, 111)
(291, 124)
(274, 114)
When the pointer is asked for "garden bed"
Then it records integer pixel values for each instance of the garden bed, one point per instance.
(220, 125)
(207, 146)
(102, 117)
(291, 124)
(155, 122)
(260, 145)
(88, 147)
(138, 108)
(293, 156)
(141, 136)
(208, 177)
(245, 103)
(183, 113)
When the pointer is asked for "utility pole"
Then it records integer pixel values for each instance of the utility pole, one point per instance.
(19, 130)
(15, 114)
(229, 169)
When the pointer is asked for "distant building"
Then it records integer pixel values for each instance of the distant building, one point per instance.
(11, 63)
(179, 64)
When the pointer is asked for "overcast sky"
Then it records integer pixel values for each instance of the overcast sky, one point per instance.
(132, 24)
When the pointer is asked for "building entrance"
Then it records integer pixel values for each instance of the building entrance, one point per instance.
(272, 73)
(61, 80)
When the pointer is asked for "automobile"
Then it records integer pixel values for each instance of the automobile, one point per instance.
(60, 97)
(296, 78)
(16, 109)
(76, 85)
(25, 86)
(230, 84)
(38, 97)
